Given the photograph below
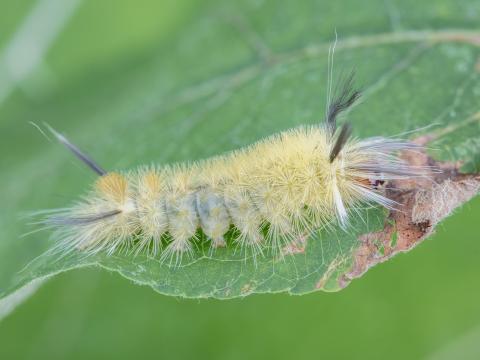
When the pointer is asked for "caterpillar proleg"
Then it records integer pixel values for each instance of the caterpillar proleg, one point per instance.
(266, 195)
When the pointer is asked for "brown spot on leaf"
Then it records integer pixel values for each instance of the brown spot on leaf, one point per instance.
(424, 203)
(247, 289)
(297, 246)
(332, 268)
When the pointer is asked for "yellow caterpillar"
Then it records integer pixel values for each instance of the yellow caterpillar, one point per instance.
(266, 195)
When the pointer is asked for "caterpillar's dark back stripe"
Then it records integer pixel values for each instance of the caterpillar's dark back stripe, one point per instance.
(345, 98)
(77, 152)
(342, 138)
(80, 220)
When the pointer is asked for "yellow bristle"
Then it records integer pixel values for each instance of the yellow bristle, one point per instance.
(113, 186)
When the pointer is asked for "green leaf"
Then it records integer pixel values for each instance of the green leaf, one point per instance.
(225, 76)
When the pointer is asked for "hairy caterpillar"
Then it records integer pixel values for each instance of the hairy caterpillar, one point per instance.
(266, 195)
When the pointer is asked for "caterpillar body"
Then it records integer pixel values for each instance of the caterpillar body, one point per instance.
(266, 195)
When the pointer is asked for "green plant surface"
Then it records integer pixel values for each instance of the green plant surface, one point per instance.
(222, 76)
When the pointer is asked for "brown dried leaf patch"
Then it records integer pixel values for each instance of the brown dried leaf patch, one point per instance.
(423, 204)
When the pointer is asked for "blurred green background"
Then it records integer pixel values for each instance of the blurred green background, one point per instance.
(421, 305)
